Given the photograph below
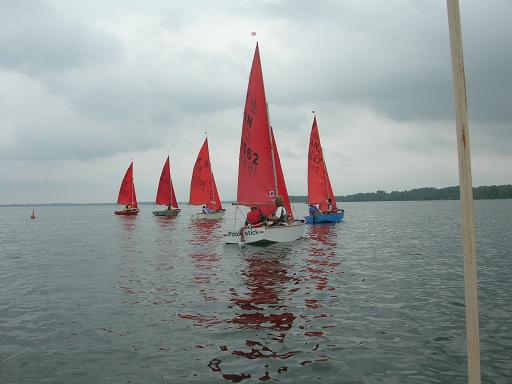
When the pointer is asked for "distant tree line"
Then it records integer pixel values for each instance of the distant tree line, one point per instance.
(427, 193)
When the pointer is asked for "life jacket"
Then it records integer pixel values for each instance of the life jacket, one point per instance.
(283, 218)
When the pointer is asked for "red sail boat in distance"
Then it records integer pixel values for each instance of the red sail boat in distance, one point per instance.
(127, 195)
(260, 176)
(203, 190)
(319, 184)
(165, 194)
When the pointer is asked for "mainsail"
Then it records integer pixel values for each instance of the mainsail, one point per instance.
(319, 184)
(165, 194)
(127, 195)
(203, 190)
(256, 181)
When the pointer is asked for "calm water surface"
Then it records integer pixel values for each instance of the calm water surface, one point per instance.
(89, 297)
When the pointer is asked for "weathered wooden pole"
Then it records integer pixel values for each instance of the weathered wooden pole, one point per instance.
(466, 193)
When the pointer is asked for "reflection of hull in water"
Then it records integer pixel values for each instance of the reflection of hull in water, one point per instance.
(266, 234)
(167, 212)
(325, 218)
(128, 212)
(209, 216)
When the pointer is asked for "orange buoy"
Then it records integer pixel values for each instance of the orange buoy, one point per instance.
(33, 215)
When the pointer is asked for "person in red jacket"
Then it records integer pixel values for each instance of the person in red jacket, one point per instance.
(254, 216)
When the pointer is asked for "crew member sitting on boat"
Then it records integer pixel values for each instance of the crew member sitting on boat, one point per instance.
(280, 216)
(313, 210)
(207, 210)
(329, 206)
(255, 216)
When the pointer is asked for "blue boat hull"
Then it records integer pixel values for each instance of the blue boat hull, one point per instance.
(325, 218)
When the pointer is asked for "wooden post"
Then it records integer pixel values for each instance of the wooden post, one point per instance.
(466, 193)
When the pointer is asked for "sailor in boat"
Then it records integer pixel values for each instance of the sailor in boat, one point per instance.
(255, 217)
(207, 210)
(329, 206)
(280, 216)
(313, 210)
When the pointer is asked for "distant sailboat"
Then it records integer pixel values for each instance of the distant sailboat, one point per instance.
(33, 215)
(165, 194)
(260, 175)
(319, 184)
(127, 195)
(203, 190)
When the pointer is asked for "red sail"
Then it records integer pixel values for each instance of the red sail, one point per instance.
(201, 184)
(281, 185)
(127, 190)
(330, 193)
(214, 203)
(319, 185)
(255, 173)
(174, 201)
(134, 204)
(165, 194)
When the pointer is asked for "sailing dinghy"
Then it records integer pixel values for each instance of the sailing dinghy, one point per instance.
(127, 195)
(260, 176)
(203, 190)
(165, 194)
(319, 184)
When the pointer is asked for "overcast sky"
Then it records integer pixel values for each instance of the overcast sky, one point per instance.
(87, 86)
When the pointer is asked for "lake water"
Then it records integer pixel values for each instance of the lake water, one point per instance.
(89, 297)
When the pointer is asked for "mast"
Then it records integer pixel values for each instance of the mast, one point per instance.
(325, 172)
(323, 160)
(212, 199)
(272, 152)
(133, 185)
(466, 193)
(211, 182)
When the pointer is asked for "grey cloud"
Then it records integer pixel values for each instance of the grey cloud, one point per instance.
(89, 93)
(394, 58)
(36, 38)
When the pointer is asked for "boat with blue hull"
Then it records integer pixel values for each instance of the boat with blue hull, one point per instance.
(319, 185)
(325, 218)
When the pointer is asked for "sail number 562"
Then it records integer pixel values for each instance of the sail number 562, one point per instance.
(250, 154)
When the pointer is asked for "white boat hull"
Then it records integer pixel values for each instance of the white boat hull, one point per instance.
(167, 212)
(266, 234)
(209, 216)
